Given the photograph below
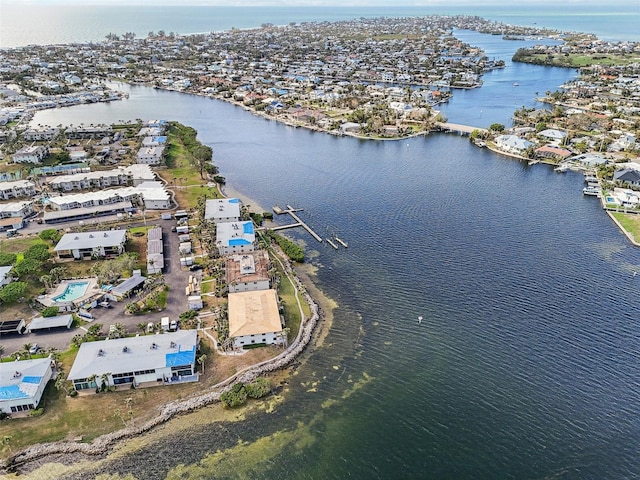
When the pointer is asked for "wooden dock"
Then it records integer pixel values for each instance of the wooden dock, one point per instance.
(299, 223)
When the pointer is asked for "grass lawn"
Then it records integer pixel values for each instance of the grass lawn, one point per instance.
(20, 244)
(630, 222)
(287, 295)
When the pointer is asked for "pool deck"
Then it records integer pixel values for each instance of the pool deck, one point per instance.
(93, 290)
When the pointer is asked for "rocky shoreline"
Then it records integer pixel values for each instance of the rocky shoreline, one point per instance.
(69, 450)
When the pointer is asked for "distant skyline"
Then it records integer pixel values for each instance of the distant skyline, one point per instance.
(313, 3)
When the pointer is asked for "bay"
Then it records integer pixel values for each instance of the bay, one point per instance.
(526, 362)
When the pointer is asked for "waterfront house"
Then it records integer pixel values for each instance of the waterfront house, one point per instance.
(552, 152)
(552, 134)
(90, 245)
(145, 360)
(30, 154)
(628, 176)
(22, 384)
(254, 318)
(154, 141)
(626, 198)
(39, 134)
(221, 210)
(235, 237)
(247, 272)
(512, 144)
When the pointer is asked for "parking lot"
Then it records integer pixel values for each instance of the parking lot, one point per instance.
(176, 277)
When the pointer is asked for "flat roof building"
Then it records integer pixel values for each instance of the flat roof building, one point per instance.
(88, 245)
(235, 237)
(221, 210)
(152, 359)
(247, 271)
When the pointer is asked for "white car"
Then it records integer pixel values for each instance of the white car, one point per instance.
(34, 348)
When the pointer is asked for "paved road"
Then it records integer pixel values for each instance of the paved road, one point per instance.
(175, 276)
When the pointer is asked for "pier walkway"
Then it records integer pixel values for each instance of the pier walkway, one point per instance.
(299, 223)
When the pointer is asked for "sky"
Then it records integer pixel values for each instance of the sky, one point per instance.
(342, 3)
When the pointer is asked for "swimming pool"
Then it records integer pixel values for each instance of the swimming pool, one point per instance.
(72, 292)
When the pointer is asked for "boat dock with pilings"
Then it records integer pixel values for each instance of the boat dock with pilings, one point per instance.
(299, 223)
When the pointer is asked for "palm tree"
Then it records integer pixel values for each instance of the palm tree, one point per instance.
(1, 352)
(201, 361)
(27, 347)
(142, 326)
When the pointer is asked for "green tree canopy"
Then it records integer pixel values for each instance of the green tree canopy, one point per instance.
(7, 259)
(49, 312)
(38, 252)
(13, 292)
(27, 266)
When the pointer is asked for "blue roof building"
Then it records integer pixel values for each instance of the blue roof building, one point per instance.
(235, 237)
(150, 359)
(22, 384)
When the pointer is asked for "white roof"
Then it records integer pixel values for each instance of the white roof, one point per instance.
(97, 196)
(4, 271)
(13, 207)
(51, 322)
(76, 177)
(83, 240)
(235, 233)
(222, 208)
(148, 352)
(17, 184)
(21, 379)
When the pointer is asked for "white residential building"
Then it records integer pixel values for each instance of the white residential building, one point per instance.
(235, 237)
(149, 359)
(88, 245)
(512, 144)
(221, 210)
(43, 133)
(150, 155)
(154, 195)
(19, 188)
(247, 272)
(32, 154)
(254, 318)
(22, 384)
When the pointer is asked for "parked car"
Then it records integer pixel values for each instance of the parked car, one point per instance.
(34, 348)
(195, 267)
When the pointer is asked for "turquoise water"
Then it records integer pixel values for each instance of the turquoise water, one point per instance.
(50, 24)
(72, 292)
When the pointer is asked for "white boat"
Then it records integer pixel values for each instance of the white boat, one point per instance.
(591, 190)
(590, 179)
(561, 168)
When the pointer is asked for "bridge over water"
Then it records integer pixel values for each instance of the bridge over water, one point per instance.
(458, 128)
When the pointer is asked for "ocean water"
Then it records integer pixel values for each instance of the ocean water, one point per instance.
(26, 24)
(525, 364)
